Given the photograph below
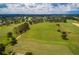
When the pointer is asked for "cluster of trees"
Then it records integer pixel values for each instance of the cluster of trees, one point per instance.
(37, 19)
(13, 40)
(64, 34)
(21, 28)
(10, 20)
(3, 50)
(57, 19)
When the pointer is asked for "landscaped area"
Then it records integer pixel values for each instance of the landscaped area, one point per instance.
(43, 38)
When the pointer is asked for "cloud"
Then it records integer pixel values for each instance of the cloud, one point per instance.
(3, 6)
(39, 8)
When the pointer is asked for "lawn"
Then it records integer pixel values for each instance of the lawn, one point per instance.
(43, 38)
(4, 30)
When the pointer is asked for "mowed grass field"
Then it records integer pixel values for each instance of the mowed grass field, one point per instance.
(4, 30)
(43, 39)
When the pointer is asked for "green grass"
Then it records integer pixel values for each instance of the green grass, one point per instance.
(3, 32)
(43, 38)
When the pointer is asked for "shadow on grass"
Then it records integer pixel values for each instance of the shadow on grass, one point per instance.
(28, 53)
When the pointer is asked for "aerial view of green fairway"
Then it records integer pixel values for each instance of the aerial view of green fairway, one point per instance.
(39, 29)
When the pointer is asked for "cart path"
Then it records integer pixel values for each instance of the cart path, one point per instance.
(19, 36)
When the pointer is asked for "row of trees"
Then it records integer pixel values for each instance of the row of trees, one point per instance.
(64, 34)
(21, 28)
(3, 50)
(12, 39)
(38, 19)
(12, 42)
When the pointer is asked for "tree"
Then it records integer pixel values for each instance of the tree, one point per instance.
(58, 30)
(30, 22)
(9, 34)
(13, 41)
(21, 28)
(2, 48)
(65, 20)
(58, 25)
(64, 35)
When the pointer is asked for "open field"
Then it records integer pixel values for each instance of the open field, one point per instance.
(43, 38)
(4, 30)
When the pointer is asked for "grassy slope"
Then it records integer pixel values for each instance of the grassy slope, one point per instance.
(3, 32)
(43, 38)
(73, 37)
(46, 34)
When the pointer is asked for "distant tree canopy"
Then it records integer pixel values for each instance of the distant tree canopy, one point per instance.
(35, 19)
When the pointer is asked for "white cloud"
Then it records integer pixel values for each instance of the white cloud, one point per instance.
(38, 8)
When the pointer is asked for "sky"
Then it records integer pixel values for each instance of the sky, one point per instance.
(39, 8)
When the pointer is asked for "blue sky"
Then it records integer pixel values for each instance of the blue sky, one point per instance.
(39, 8)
